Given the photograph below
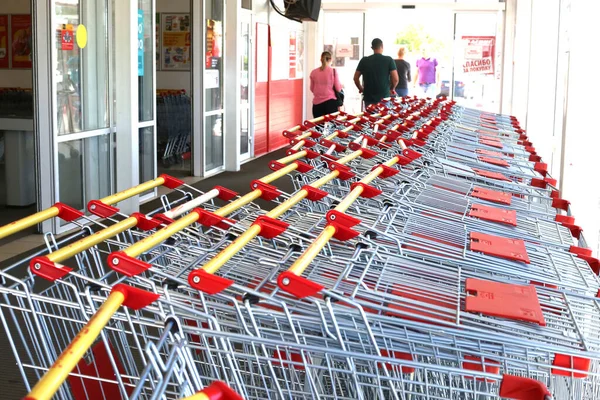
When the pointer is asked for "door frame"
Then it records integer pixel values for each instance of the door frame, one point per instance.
(247, 17)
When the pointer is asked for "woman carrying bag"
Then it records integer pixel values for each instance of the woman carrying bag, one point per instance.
(324, 83)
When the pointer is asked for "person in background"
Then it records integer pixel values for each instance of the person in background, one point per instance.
(322, 82)
(427, 76)
(379, 75)
(403, 69)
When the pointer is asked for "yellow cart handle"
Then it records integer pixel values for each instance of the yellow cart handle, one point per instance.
(203, 279)
(47, 266)
(120, 295)
(291, 280)
(57, 210)
(103, 207)
(160, 236)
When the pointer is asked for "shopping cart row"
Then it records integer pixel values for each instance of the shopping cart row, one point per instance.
(424, 253)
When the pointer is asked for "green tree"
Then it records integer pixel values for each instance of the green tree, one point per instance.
(413, 37)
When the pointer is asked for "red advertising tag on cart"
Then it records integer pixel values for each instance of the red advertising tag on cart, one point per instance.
(516, 302)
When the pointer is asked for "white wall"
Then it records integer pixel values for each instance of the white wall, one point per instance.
(542, 78)
(582, 160)
(174, 79)
(15, 77)
(553, 51)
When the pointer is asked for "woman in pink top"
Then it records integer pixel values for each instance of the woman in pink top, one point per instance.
(322, 82)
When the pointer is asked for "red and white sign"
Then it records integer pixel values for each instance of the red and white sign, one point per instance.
(344, 50)
(67, 38)
(479, 54)
(293, 54)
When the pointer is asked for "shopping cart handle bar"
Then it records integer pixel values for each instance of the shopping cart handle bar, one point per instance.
(160, 236)
(69, 251)
(216, 391)
(292, 157)
(57, 210)
(66, 362)
(166, 180)
(267, 226)
(330, 231)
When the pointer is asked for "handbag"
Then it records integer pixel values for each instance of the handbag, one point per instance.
(339, 96)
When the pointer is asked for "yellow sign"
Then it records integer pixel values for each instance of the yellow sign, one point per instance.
(81, 36)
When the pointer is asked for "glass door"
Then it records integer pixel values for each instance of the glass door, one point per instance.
(343, 37)
(477, 60)
(426, 39)
(82, 94)
(247, 88)
(213, 86)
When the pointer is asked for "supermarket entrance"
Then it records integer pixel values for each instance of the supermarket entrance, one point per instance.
(466, 45)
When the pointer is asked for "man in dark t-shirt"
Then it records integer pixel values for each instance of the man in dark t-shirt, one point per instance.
(379, 75)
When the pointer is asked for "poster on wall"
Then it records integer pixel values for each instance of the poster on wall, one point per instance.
(4, 41)
(344, 50)
(176, 42)
(292, 54)
(478, 55)
(20, 40)
(214, 35)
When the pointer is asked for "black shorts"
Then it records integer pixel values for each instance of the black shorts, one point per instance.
(324, 108)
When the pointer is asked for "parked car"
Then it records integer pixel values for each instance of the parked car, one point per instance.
(459, 88)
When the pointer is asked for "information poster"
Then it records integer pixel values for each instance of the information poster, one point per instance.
(20, 39)
(67, 38)
(478, 55)
(176, 42)
(292, 55)
(4, 41)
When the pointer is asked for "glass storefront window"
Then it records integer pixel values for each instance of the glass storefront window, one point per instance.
(213, 85)
(146, 65)
(214, 141)
(147, 154)
(81, 72)
(84, 170)
(213, 73)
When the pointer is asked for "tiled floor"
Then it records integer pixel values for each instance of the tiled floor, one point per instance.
(20, 246)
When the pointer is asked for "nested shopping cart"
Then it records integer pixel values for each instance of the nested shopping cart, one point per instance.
(354, 286)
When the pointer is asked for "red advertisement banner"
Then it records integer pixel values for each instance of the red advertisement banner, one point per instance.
(4, 41)
(20, 40)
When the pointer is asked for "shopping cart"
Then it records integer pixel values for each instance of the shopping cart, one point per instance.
(354, 286)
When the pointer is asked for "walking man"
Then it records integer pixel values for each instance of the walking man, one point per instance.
(378, 73)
